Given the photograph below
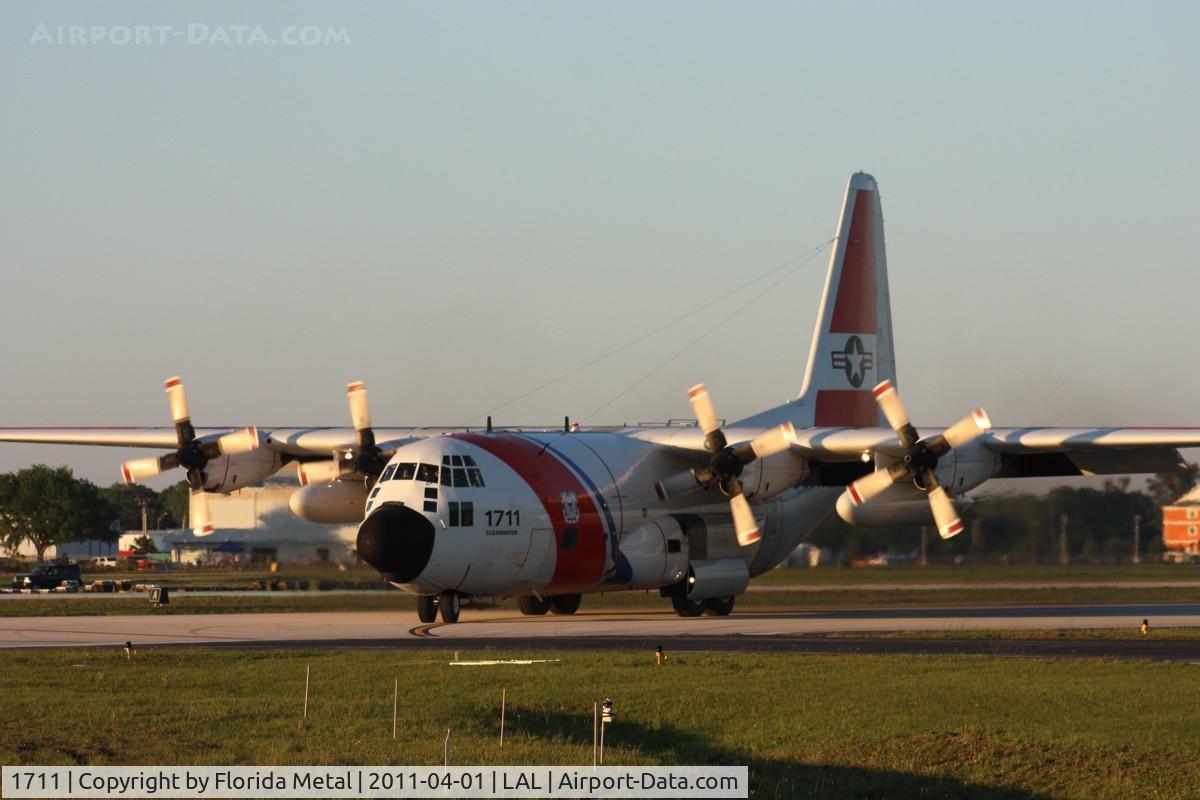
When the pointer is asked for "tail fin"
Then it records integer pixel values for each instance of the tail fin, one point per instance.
(852, 348)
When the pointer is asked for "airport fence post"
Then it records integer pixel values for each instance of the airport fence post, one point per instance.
(307, 669)
(503, 692)
(395, 703)
(446, 750)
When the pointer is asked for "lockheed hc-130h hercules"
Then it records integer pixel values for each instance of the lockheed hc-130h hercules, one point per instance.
(695, 511)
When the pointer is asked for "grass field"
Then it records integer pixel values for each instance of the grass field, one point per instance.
(808, 726)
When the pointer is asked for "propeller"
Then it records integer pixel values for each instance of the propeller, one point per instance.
(725, 463)
(365, 459)
(920, 458)
(193, 455)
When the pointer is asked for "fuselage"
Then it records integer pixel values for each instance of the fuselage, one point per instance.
(511, 513)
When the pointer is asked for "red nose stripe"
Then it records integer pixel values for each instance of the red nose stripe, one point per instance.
(581, 566)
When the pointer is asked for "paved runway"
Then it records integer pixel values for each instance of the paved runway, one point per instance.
(795, 630)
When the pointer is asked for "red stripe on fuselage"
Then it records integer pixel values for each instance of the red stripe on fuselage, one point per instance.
(581, 567)
(854, 310)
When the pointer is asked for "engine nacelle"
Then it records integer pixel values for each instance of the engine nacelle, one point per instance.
(337, 503)
(765, 478)
(228, 473)
(656, 554)
(723, 577)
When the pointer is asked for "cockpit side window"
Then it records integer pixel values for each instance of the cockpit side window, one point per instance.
(447, 476)
(456, 461)
(427, 473)
(405, 472)
(475, 476)
(387, 473)
(460, 478)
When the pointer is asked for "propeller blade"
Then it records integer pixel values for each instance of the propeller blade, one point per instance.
(743, 520)
(243, 441)
(893, 410)
(177, 402)
(200, 520)
(869, 486)
(776, 440)
(360, 412)
(318, 472)
(141, 468)
(176, 399)
(948, 523)
(967, 429)
(702, 407)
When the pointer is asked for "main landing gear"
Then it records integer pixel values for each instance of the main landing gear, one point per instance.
(687, 607)
(558, 604)
(449, 603)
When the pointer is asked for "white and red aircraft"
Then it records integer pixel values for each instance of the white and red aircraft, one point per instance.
(693, 511)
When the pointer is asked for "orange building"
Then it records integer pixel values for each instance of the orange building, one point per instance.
(1181, 523)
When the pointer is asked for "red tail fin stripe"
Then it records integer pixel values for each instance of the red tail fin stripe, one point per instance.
(854, 310)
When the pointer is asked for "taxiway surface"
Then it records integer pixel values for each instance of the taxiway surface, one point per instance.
(785, 629)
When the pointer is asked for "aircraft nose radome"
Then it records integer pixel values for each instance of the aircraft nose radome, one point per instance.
(397, 541)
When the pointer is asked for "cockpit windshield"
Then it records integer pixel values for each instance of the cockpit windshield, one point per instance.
(457, 471)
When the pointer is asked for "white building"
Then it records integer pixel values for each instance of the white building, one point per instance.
(258, 519)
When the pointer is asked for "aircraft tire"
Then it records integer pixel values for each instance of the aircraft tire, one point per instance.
(683, 606)
(450, 604)
(719, 606)
(531, 606)
(564, 603)
(427, 607)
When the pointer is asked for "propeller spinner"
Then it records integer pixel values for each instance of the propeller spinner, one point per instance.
(920, 458)
(726, 463)
(365, 459)
(193, 455)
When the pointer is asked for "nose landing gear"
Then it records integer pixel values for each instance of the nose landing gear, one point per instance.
(449, 603)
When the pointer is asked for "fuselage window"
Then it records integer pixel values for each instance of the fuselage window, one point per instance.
(456, 460)
(468, 461)
(405, 472)
(476, 477)
(387, 473)
(431, 506)
(460, 478)
(447, 477)
(462, 515)
(427, 473)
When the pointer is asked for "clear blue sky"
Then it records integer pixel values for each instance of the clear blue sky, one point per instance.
(468, 199)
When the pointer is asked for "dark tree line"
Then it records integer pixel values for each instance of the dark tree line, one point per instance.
(48, 506)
